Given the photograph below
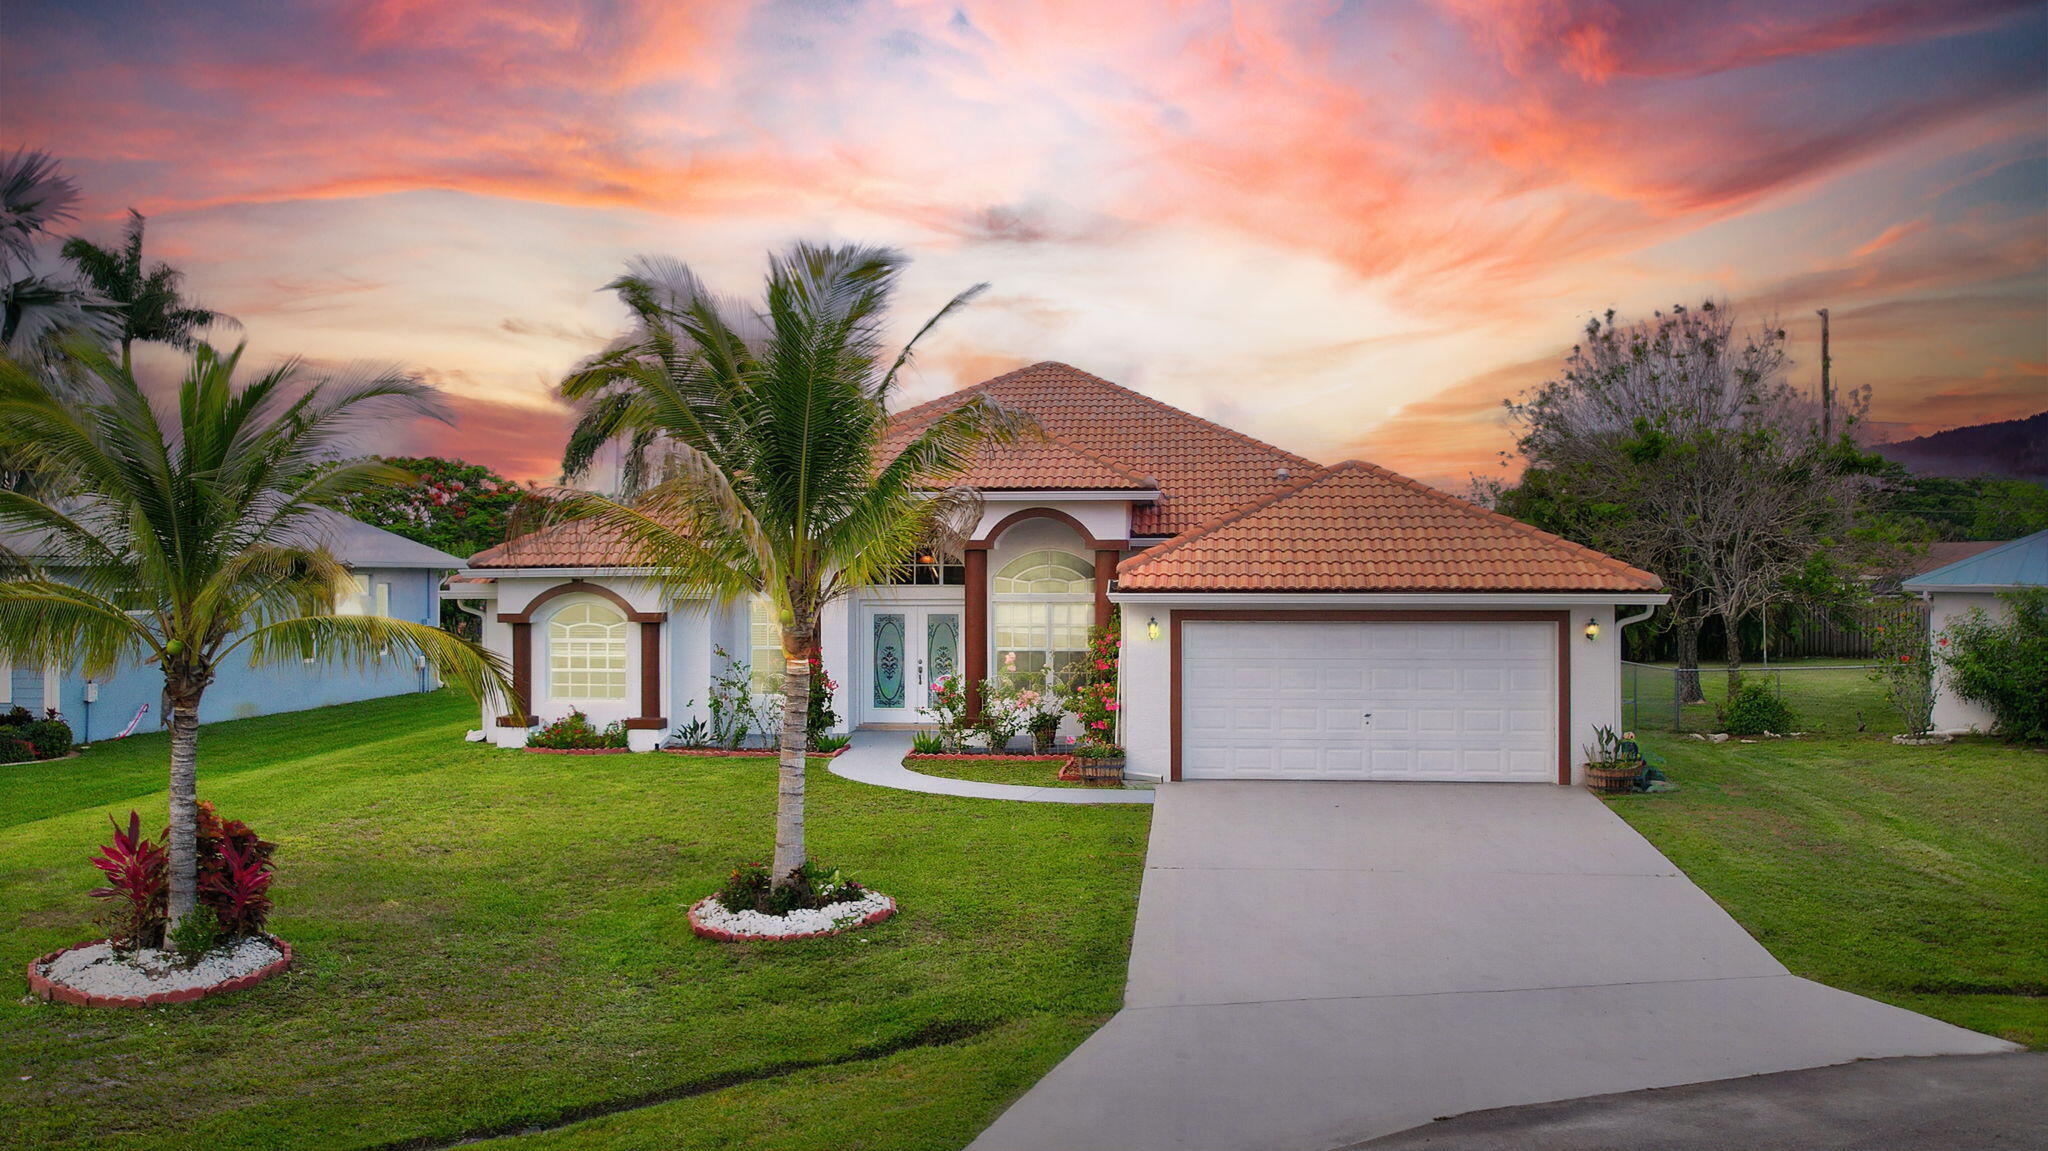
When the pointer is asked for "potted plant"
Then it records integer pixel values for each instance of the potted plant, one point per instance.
(1099, 762)
(1615, 764)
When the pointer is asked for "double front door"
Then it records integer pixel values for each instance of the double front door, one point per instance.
(909, 649)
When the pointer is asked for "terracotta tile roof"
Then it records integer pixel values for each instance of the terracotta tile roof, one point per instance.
(1048, 463)
(1358, 527)
(577, 544)
(1202, 469)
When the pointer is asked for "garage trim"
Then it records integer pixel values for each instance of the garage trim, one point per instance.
(1562, 619)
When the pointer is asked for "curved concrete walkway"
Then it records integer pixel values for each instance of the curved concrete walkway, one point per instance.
(877, 757)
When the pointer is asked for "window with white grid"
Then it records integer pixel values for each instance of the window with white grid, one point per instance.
(587, 652)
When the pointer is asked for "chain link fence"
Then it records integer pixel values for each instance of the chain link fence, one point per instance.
(1827, 696)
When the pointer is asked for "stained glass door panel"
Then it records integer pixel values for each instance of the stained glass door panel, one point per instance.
(889, 661)
(941, 646)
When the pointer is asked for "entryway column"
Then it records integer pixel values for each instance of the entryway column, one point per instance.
(650, 717)
(1105, 570)
(522, 677)
(974, 629)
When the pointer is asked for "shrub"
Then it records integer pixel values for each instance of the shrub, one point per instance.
(16, 716)
(196, 934)
(948, 709)
(1093, 697)
(138, 886)
(1755, 709)
(2002, 665)
(14, 749)
(1903, 666)
(810, 886)
(830, 742)
(575, 732)
(821, 716)
(234, 873)
(51, 737)
(927, 743)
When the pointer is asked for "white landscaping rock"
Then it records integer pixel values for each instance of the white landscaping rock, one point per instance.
(804, 921)
(97, 969)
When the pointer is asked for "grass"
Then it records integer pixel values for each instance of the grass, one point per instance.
(1918, 876)
(490, 942)
(1829, 696)
(990, 769)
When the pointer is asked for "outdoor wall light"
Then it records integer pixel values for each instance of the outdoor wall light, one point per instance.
(1592, 629)
(1152, 628)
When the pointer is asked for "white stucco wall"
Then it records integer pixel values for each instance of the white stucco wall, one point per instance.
(1104, 519)
(1951, 715)
(514, 594)
(1595, 679)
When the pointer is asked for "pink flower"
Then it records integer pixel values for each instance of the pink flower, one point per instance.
(1112, 705)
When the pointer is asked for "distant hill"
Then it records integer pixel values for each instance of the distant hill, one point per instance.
(2017, 448)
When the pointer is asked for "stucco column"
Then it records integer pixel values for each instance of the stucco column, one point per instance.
(1105, 570)
(650, 717)
(975, 628)
(522, 675)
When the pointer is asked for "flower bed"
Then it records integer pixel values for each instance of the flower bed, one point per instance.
(578, 750)
(988, 757)
(748, 752)
(712, 920)
(92, 974)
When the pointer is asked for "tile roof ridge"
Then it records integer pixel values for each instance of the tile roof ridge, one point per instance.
(1096, 457)
(1621, 566)
(1227, 518)
(1178, 411)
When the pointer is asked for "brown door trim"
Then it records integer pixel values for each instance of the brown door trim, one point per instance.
(1562, 618)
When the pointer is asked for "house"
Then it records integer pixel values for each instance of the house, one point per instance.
(393, 576)
(1281, 619)
(1975, 583)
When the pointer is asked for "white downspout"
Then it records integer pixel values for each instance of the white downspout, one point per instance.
(1621, 625)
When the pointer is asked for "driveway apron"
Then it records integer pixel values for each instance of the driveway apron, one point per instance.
(1320, 963)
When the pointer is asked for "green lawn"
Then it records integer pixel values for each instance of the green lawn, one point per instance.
(1828, 696)
(491, 941)
(987, 769)
(1918, 876)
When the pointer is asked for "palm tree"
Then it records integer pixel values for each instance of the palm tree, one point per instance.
(189, 543)
(151, 307)
(771, 423)
(37, 311)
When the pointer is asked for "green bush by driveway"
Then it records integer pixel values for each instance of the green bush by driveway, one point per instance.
(1918, 876)
(493, 940)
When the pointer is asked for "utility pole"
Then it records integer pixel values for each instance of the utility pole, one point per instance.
(1827, 387)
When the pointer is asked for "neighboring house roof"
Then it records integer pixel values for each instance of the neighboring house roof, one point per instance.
(1359, 527)
(2020, 563)
(1201, 469)
(353, 542)
(1942, 553)
(576, 544)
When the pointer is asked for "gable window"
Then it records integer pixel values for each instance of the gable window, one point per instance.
(358, 596)
(1044, 605)
(587, 652)
(930, 568)
(764, 647)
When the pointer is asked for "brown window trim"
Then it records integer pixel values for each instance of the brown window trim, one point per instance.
(1562, 619)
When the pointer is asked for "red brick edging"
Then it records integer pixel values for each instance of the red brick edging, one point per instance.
(709, 932)
(578, 750)
(43, 987)
(747, 752)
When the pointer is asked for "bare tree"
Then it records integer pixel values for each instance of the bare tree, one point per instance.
(1677, 444)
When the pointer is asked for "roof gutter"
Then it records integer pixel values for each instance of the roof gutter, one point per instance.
(1354, 599)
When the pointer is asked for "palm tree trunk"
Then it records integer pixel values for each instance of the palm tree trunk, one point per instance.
(789, 790)
(184, 831)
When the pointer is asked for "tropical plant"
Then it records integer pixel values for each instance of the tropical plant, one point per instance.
(38, 310)
(805, 887)
(1002, 715)
(1906, 670)
(136, 868)
(695, 733)
(927, 743)
(821, 717)
(234, 873)
(830, 743)
(148, 303)
(187, 537)
(736, 712)
(2002, 665)
(775, 480)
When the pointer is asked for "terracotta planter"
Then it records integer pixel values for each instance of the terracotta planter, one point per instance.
(1100, 772)
(1613, 779)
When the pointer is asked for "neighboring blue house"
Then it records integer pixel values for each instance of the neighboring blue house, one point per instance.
(394, 576)
(1975, 583)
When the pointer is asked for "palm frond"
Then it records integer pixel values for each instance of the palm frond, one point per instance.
(44, 622)
(364, 641)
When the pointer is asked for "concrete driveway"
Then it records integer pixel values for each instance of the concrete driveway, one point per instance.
(1320, 963)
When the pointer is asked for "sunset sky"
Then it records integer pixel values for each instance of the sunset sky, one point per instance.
(1350, 229)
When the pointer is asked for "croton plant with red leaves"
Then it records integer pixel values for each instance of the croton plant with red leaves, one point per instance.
(235, 873)
(138, 878)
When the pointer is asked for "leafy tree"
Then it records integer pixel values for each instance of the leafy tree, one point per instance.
(1675, 443)
(1974, 508)
(771, 421)
(37, 311)
(450, 504)
(147, 300)
(188, 536)
(2002, 664)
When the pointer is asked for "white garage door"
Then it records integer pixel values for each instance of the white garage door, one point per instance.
(1393, 700)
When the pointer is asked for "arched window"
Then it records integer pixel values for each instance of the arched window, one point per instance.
(1046, 573)
(1044, 604)
(587, 652)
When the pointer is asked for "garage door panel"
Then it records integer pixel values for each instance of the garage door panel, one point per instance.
(1448, 700)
